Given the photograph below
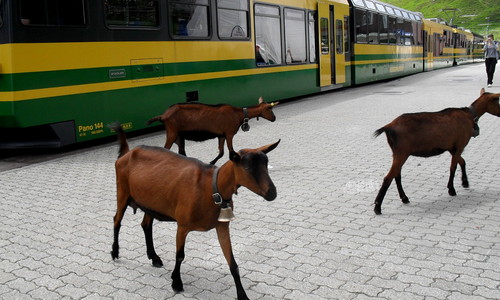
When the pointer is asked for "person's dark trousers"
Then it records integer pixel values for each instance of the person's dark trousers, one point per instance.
(490, 68)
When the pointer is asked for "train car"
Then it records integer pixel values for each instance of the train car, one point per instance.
(463, 42)
(439, 52)
(68, 68)
(478, 52)
(388, 41)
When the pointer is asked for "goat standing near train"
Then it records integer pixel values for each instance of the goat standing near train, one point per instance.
(428, 134)
(200, 122)
(171, 187)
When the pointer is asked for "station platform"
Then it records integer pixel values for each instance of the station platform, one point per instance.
(319, 239)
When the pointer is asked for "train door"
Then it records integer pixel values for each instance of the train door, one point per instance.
(331, 37)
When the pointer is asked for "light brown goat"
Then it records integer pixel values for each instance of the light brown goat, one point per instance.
(432, 133)
(201, 122)
(171, 187)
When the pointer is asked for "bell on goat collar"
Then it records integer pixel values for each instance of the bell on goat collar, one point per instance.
(245, 126)
(226, 214)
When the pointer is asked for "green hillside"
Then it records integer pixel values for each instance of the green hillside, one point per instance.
(470, 14)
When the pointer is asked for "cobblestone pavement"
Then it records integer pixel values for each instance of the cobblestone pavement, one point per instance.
(318, 240)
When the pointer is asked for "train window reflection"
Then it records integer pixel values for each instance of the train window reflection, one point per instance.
(232, 19)
(312, 37)
(267, 35)
(52, 12)
(295, 36)
(361, 26)
(189, 20)
(129, 13)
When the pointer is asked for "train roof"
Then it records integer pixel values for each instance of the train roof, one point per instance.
(389, 9)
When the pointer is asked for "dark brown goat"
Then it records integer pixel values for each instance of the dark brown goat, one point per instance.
(171, 187)
(432, 133)
(201, 122)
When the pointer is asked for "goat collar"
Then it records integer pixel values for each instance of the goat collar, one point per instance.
(475, 118)
(216, 196)
(245, 126)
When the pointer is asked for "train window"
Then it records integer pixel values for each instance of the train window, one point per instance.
(52, 12)
(267, 35)
(189, 20)
(408, 33)
(1, 13)
(347, 42)
(417, 33)
(392, 30)
(325, 40)
(295, 36)
(400, 39)
(232, 19)
(361, 26)
(359, 3)
(372, 28)
(370, 4)
(380, 7)
(383, 25)
(339, 36)
(312, 37)
(132, 13)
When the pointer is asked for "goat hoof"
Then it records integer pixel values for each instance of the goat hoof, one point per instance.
(243, 297)
(157, 263)
(378, 210)
(114, 253)
(465, 185)
(452, 192)
(405, 200)
(177, 287)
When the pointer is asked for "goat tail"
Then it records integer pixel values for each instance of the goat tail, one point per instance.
(124, 148)
(152, 120)
(379, 132)
(392, 137)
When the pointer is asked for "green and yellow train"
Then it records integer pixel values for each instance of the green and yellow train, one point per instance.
(68, 68)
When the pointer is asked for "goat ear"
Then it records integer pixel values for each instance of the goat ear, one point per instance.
(270, 147)
(482, 92)
(261, 100)
(234, 157)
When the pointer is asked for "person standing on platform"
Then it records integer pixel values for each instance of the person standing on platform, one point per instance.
(491, 57)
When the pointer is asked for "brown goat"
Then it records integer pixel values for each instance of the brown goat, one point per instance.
(171, 187)
(432, 133)
(201, 122)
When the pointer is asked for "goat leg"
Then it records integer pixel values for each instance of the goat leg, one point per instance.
(177, 284)
(147, 226)
(465, 181)
(225, 243)
(120, 211)
(401, 192)
(221, 150)
(453, 168)
(381, 194)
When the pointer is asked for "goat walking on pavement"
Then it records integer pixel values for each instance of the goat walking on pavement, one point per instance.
(427, 134)
(171, 187)
(200, 122)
